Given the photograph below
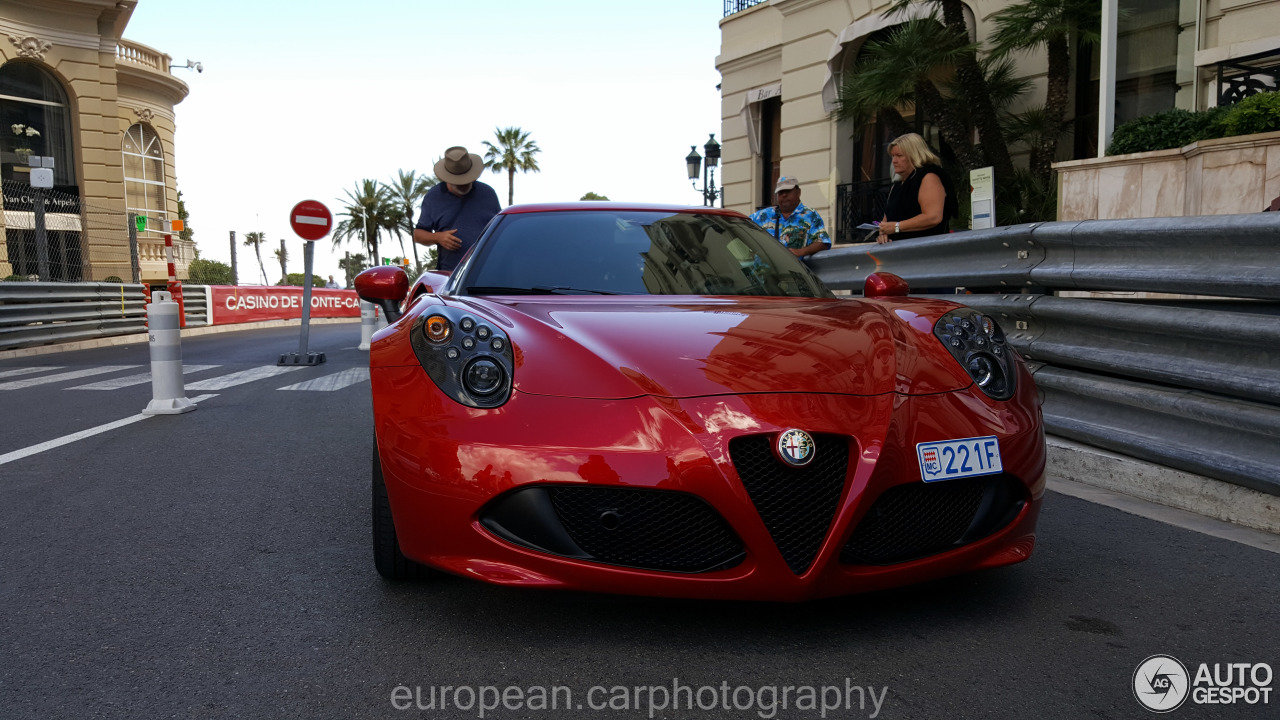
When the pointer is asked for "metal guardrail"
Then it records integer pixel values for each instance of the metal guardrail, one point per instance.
(195, 305)
(1183, 380)
(43, 313)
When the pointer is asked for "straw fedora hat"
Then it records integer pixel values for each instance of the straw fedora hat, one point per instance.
(459, 166)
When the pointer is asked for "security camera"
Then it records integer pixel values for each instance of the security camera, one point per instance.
(199, 67)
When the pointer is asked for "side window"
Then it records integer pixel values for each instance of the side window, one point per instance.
(144, 175)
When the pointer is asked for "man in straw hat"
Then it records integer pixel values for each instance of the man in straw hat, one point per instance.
(455, 211)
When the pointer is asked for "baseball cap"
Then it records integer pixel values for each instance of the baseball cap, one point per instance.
(786, 183)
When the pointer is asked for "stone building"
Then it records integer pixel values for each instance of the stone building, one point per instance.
(102, 107)
(781, 61)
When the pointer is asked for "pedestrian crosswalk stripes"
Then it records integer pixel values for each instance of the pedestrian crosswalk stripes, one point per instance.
(336, 381)
(24, 377)
(14, 372)
(60, 377)
(139, 379)
(223, 382)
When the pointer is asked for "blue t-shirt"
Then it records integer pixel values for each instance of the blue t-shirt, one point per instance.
(442, 210)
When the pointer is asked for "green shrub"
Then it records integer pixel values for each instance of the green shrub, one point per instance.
(112, 279)
(209, 272)
(296, 279)
(1166, 130)
(1255, 114)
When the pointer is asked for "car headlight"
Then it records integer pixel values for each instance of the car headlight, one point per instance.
(467, 357)
(978, 344)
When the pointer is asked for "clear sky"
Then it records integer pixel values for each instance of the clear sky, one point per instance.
(301, 99)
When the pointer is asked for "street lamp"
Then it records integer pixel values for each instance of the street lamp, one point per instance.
(694, 162)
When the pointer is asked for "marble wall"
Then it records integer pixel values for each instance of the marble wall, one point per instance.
(1211, 177)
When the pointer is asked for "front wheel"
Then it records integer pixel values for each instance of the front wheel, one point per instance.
(391, 563)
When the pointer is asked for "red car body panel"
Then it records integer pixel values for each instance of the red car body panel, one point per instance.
(648, 391)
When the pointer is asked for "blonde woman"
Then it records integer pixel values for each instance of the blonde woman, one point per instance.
(921, 201)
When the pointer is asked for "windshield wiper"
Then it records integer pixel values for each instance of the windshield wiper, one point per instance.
(499, 290)
(559, 290)
(535, 290)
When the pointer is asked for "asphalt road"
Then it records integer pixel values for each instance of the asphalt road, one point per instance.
(217, 565)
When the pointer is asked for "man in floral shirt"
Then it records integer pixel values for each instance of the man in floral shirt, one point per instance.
(791, 223)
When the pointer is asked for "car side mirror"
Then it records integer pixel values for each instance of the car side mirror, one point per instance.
(877, 284)
(384, 286)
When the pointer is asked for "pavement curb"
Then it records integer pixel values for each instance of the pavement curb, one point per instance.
(1089, 465)
(143, 337)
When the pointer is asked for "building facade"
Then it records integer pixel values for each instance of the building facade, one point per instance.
(102, 108)
(781, 63)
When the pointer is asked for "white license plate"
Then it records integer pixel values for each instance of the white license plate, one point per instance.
(952, 459)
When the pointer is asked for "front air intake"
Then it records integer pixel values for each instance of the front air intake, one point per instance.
(796, 504)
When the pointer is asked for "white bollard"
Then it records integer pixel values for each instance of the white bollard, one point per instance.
(168, 395)
(368, 323)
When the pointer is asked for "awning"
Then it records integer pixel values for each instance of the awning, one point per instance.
(26, 220)
(751, 112)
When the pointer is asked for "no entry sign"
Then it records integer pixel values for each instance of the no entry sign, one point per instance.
(311, 220)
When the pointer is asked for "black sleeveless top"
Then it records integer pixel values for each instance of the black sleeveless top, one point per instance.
(904, 202)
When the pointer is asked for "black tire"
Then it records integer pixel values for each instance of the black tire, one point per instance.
(391, 563)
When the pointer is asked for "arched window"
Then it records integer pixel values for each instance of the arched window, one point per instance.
(35, 119)
(144, 174)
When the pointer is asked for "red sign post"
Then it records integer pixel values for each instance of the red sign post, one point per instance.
(311, 220)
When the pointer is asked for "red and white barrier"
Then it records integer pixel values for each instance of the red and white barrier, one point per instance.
(230, 304)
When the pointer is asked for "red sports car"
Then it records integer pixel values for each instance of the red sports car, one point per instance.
(665, 401)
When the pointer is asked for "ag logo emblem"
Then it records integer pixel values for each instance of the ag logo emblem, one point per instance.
(795, 448)
(1161, 683)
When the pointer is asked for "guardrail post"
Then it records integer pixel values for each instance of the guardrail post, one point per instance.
(168, 394)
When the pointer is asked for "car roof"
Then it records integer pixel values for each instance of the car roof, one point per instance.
(597, 205)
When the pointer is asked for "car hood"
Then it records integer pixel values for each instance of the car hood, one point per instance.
(626, 347)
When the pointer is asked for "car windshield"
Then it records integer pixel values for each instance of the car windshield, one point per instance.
(633, 252)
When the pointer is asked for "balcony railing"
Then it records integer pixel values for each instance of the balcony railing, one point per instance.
(733, 6)
(857, 203)
(1238, 79)
(140, 54)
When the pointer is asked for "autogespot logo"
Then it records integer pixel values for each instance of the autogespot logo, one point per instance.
(1161, 683)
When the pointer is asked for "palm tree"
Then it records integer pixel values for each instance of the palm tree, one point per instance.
(282, 255)
(366, 214)
(972, 82)
(513, 152)
(406, 193)
(898, 70)
(1029, 25)
(255, 240)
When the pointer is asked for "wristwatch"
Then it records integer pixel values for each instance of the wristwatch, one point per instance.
(897, 228)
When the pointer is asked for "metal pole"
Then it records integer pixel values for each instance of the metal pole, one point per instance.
(235, 272)
(1107, 75)
(284, 274)
(134, 265)
(308, 250)
(42, 240)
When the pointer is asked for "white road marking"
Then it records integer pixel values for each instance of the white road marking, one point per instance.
(310, 220)
(139, 379)
(72, 375)
(336, 381)
(68, 439)
(14, 372)
(223, 382)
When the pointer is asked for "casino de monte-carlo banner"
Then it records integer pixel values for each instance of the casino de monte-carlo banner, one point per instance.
(231, 304)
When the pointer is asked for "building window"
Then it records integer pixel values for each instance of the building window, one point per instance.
(35, 120)
(144, 185)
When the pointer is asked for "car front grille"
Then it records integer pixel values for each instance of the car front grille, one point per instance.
(648, 529)
(796, 504)
(916, 520)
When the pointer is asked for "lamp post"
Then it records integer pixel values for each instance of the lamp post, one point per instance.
(709, 190)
